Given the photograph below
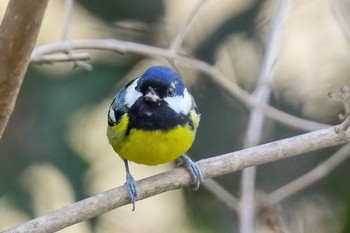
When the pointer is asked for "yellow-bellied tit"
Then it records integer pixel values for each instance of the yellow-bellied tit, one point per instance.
(153, 120)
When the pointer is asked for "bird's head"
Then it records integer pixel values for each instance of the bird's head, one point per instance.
(160, 84)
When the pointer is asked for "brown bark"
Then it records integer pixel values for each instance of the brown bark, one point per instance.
(19, 30)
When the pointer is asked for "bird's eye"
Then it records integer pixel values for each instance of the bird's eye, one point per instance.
(170, 92)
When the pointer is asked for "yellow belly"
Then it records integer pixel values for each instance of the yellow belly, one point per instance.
(150, 147)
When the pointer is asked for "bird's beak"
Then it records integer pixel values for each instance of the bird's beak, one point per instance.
(152, 96)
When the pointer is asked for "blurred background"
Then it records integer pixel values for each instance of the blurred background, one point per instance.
(55, 152)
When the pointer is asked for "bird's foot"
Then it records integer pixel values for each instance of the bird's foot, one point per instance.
(132, 189)
(193, 169)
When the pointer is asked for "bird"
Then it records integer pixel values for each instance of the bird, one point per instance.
(153, 120)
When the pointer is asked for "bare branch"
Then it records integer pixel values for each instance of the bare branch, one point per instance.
(222, 194)
(262, 95)
(18, 33)
(324, 168)
(68, 14)
(181, 33)
(62, 57)
(216, 75)
(179, 177)
(311, 177)
(262, 92)
(245, 98)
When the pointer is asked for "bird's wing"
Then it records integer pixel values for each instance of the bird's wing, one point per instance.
(118, 107)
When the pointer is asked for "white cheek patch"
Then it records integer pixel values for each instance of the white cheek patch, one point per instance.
(180, 104)
(112, 115)
(131, 94)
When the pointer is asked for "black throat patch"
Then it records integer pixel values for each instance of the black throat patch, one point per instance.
(152, 116)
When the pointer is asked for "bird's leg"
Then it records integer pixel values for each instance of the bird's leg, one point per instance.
(131, 185)
(193, 169)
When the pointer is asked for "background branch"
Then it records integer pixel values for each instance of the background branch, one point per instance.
(310, 177)
(222, 194)
(186, 25)
(179, 177)
(231, 88)
(18, 33)
(68, 15)
(62, 57)
(262, 95)
(181, 33)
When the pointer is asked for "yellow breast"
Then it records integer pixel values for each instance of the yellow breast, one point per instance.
(150, 147)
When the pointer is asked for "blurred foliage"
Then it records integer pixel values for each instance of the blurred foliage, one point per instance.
(129, 15)
(112, 11)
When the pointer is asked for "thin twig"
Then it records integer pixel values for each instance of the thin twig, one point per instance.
(340, 12)
(186, 25)
(68, 15)
(215, 74)
(176, 43)
(62, 57)
(222, 194)
(179, 177)
(262, 95)
(245, 98)
(311, 177)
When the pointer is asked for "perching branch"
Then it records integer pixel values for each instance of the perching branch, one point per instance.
(178, 177)
(18, 33)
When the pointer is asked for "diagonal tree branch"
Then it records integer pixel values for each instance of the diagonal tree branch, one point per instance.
(215, 74)
(18, 33)
(222, 194)
(186, 25)
(310, 177)
(179, 177)
(177, 41)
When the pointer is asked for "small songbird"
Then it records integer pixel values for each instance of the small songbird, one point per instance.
(153, 120)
